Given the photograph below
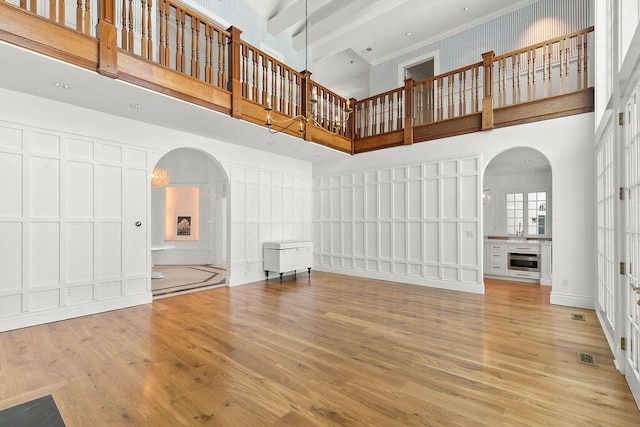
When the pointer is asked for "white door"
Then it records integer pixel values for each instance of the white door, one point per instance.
(632, 246)
(135, 223)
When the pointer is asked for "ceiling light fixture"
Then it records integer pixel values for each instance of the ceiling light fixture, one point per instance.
(464, 9)
(341, 118)
(486, 195)
(135, 106)
(61, 85)
(160, 178)
(408, 33)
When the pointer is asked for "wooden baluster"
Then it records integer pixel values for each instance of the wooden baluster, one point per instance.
(130, 27)
(585, 61)
(419, 104)
(400, 112)
(450, 100)
(254, 82)
(222, 57)
(52, 10)
(263, 82)
(290, 110)
(149, 29)
(207, 54)
(167, 41)
(245, 74)
(143, 39)
(79, 18)
(533, 74)
(87, 17)
(198, 26)
(23, 4)
(283, 99)
(194, 42)
(162, 33)
(33, 6)
(183, 56)
(274, 84)
(62, 8)
(561, 70)
(440, 98)
(178, 46)
(462, 95)
(365, 108)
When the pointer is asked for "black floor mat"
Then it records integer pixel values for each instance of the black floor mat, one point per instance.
(40, 412)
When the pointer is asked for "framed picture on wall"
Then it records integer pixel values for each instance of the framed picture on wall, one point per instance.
(183, 227)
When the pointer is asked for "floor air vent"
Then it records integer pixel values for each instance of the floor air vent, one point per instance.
(577, 317)
(587, 359)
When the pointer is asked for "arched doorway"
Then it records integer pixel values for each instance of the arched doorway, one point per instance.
(518, 216)
(189, 223)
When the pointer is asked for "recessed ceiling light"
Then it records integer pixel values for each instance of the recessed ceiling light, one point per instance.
(61, 85)
(528, 160)
(408, 33)
(269, 142)
(464, 9)
(135, 106)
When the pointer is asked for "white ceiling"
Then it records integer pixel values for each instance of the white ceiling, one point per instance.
(340, 31)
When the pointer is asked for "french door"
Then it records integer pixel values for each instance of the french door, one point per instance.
(631, 277)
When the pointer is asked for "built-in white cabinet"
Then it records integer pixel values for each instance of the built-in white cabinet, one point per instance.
(518, 260)
(282, 257)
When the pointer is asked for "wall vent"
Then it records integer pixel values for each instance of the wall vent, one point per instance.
(587, 359)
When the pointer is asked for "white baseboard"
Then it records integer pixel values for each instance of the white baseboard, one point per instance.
(569, 300)
(475, 288)
(63, 313)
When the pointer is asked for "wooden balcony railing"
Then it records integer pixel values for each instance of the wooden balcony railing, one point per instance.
(554, 67)
(447, 95)
(165, 46)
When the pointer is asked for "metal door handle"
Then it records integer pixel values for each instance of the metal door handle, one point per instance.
(138, 223)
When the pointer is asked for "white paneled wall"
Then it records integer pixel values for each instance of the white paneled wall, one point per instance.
(69, 241)
(417, 223)
(266, 205)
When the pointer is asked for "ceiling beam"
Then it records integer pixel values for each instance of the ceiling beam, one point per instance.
(337, 19)
(291, 15)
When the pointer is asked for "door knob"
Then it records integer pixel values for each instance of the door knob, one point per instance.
(138, 223)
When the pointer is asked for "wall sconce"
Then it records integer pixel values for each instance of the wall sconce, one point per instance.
(486, 194)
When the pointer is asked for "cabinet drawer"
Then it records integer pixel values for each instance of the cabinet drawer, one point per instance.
(497, 246)
(497, 268)
(524, 274)
(524, 248)
(497, 257)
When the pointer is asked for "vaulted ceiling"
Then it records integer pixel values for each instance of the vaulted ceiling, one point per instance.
(347, 37)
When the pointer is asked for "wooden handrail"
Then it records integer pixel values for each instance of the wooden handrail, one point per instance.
(544, 43)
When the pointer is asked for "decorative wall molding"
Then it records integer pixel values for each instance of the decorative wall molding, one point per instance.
(418, 223)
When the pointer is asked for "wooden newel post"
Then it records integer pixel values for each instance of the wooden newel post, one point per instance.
(487, 101)
(305, 89)
(234, 85)
(107, 39)
(408, 111)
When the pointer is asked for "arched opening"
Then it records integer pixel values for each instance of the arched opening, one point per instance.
(518, 216)
(189, 223)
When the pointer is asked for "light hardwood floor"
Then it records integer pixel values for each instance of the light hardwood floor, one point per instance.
(330, 350)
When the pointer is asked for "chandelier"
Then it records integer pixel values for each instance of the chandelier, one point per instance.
(340, 120)
(160, 178)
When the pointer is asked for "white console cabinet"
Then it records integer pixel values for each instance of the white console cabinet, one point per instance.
(282, 257)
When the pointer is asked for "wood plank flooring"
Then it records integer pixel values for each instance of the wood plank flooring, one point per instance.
(329, 350)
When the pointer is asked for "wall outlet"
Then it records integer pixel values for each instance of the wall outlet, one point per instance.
(565, 283)
(68, 292)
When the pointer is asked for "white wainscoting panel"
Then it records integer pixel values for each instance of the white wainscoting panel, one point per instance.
(69, 242)
(266, 206)
(417, 223)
